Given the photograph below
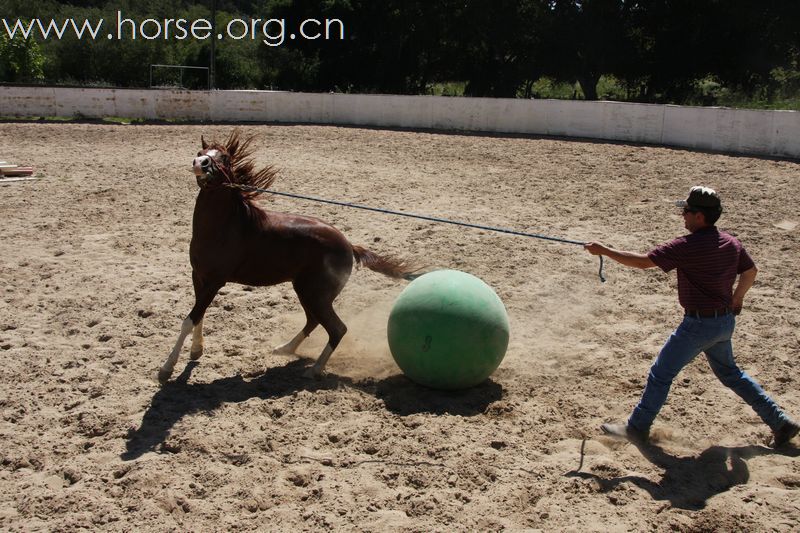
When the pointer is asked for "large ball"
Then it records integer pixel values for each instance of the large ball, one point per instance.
(448, 330)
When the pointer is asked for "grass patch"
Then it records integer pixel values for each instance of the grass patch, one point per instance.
(80, 119)
(450, 88)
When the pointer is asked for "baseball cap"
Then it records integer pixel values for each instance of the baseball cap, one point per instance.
(701, 197)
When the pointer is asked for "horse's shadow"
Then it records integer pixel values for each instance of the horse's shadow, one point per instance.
(689, 482)
(179, 398)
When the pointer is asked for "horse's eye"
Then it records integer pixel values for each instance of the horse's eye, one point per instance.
(199, 154)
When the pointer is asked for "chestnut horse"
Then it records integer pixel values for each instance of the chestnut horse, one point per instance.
(234, 240)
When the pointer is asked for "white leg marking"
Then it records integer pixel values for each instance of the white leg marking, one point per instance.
(197, 341)
(169, 364)
(290, 348)
(319, 367)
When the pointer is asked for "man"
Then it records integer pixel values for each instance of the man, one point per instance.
(708, 262)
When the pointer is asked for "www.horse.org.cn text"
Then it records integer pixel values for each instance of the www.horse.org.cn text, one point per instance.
(271, 32)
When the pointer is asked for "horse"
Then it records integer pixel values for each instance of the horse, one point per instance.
(234, 240)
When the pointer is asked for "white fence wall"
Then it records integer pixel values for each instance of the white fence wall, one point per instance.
(770, 133)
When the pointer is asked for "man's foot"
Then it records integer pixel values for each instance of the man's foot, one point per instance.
(622, 431)
(785, 433)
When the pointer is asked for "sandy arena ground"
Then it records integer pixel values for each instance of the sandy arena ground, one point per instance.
(95, 281)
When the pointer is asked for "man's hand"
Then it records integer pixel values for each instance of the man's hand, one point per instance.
(631, 259)
(746, 280)
(595, 248)
(738, 303)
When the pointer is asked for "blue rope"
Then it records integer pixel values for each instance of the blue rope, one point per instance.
(412, 215)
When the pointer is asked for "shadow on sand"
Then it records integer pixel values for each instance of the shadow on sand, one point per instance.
(689, 482)
(179, 398)
(404, 397)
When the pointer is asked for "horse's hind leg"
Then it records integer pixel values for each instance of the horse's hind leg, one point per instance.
(336, 330)
(290, 348)
(321, 307)
(317, 290)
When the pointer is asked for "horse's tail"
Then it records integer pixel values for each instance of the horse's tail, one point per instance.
(387, 265)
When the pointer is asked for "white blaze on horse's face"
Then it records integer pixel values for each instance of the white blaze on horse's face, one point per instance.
(202, 163)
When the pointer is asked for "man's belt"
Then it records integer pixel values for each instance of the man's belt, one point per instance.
(709, 313)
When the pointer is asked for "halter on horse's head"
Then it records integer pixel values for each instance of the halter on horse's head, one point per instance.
(231, 164)
(212, 165)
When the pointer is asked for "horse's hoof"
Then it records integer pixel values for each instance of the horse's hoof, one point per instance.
(164, 375)
(313, 373)
(195, 355)
(282, 350)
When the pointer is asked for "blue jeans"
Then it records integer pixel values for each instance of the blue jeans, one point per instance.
(712, 336)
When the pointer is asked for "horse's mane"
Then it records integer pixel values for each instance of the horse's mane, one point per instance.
(241, 169)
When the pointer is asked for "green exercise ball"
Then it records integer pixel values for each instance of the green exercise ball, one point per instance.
(448, 330)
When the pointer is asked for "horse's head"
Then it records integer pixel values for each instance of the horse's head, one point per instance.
(212, 166)
(231, 163)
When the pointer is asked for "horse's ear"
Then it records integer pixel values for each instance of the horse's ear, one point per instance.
(203, 142)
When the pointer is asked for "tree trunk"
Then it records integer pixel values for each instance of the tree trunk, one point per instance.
(589, 86)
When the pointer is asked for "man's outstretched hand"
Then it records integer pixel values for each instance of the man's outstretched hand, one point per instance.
(595, 248)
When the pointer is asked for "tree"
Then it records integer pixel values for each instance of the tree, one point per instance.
(21, 60)
(750, 40)
(587, 39)
(500, 45)
(680, 42)
(392, 46)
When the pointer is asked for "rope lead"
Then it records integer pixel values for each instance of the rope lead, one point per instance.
(250, 188)
(600, 273)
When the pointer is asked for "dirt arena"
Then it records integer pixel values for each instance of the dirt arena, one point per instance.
(95, 281)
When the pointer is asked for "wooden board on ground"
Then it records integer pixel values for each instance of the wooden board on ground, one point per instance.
(12, 180)
(15, 171)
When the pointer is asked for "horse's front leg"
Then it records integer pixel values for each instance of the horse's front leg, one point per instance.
(197, 341)
(204, 294)
(172, 359)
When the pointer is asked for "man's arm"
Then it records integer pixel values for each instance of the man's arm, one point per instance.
(630, 259)
(746, 280)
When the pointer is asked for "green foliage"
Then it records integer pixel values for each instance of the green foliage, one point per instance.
(21, 60)
(547, 87)
(237, 63)
(780, 92)
(610, 88)
(448, 88)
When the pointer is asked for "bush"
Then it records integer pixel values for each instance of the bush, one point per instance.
(21, 60)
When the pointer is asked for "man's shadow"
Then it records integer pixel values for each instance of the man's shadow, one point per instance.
(688, 482)
(179, 398)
